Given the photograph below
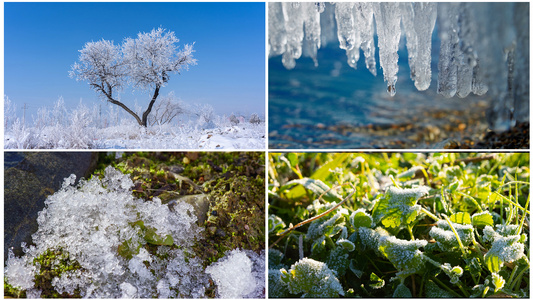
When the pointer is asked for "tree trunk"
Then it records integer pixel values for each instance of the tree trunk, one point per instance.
(131, 112)
(149, 109)
(144, 120)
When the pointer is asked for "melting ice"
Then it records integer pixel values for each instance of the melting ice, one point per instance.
(484, 46)
(97, 224)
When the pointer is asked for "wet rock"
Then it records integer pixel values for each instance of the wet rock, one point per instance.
(29, 182)
(200, 203)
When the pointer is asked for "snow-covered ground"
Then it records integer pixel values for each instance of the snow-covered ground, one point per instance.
(131, 136)
(241, 136)
(86, 128)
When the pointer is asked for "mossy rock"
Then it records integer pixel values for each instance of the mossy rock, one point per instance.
(27, 185)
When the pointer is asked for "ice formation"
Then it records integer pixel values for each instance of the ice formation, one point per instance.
(104, 228)
(312, 278)
(483, 46)
(445, 237)
(239, 274)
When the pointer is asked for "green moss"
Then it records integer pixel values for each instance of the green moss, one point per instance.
(10, 291)
(233, 181)
(53, 263)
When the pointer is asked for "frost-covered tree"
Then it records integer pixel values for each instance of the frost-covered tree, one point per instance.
(166, 110)
(143, 63)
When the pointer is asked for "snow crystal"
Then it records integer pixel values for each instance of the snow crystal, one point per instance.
(482, 44)
(92, 223)
(239, 276)
(128, 290)
(19, 271)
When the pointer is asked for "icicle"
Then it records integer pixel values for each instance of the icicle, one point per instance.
(327, 25)
(521, 95)
(312, 29)
(364, 17)
(425, 15)
(478, 85)
(447, 80)
(293, 16)
(277, 37)
(345, 25)
(473, 37)
(388, 27)
(408, 16)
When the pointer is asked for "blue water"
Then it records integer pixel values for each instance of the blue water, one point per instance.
(334, 94)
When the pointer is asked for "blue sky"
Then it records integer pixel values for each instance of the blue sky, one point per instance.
(41, 42)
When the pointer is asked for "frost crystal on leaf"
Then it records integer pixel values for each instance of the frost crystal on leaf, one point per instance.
(403, 254)
(370, 238)
(398, 206)
(507, 246)
(445, 237)
(312, 278)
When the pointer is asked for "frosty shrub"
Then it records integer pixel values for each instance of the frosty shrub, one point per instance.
(254, 119)
(108, 244)
(205, 114)
(233, 119)
(166, 110)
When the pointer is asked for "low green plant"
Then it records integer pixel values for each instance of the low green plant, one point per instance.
(398, 225)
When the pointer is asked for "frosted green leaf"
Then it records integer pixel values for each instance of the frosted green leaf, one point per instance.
(507, 230)
(434, 168)
(346, 244)
(318, 245)
(398, 206)
(127, 250)
(370, 237)
(153, 238)
(410, 173)
(453, 172)
(498, 282)
(338, 261)
(493, 263)
(324, 226)
(274, 259)
(318, 187)
(275, 224)
(402, 291)
(445, 237)
(434, 291)
(482, 219)
(461, 218)
(506, 249)
(404, 255)
(455, 185)
(507, 246)
(276, 287)
(377, 282)
(312, 278)
(360, 218)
